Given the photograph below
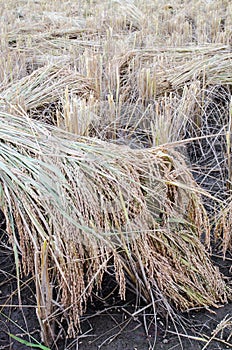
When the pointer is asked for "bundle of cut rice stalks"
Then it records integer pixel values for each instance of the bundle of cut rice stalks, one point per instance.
(75, 205)
(153, 72)
(46, 86)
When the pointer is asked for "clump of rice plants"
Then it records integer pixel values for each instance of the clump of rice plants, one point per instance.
(77, 203)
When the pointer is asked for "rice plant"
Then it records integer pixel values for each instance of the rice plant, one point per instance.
(77, 203)
(115, 127)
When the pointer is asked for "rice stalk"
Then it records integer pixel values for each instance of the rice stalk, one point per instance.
(44, 86)
(222, 232)
(221, 327)
(229, 147)
(169, 71)
(79, 203)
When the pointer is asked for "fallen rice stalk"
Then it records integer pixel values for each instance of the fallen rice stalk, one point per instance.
(44, 86)
(89, 201)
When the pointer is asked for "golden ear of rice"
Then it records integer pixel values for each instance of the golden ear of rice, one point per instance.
(79, 204)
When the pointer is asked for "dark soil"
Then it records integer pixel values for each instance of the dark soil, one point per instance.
(15, 319)
(116, 330)
(114, 325)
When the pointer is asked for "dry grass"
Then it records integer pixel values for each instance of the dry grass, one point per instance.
(106, 110)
